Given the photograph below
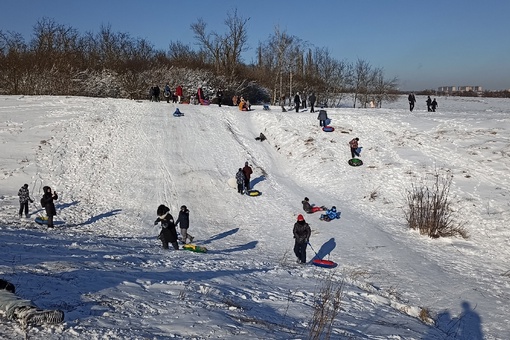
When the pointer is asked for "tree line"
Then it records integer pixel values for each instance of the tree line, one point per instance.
(58, 60)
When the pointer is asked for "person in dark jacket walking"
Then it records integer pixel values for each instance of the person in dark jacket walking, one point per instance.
(47, 202)
(434, 105)
(240, 179)
(322, 117)
(302, 234)
(429, 104)
(312, 100)
(168, 233)
(354, 147)
(247, 173)
(24, 198)
(183, 219)
(412, 100)
(297, 101)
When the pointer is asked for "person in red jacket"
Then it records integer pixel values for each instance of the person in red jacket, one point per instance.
(354, 147)
(247, 173)
(178, 93)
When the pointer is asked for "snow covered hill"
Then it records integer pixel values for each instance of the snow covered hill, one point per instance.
(112, 162)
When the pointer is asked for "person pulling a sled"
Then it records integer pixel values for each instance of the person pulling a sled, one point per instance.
(302, 234)
(168, 233)
(47, 202)
(183, 219)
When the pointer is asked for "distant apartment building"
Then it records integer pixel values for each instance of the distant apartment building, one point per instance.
(451, 89)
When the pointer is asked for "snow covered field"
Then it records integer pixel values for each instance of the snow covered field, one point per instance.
(113, 161)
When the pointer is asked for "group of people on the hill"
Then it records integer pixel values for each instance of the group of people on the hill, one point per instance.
(300, 102)
(175, 96)
(47, 202)
(431, 104)
(168, 233)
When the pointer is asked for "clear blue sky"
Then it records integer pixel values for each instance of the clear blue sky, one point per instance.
(425, 44)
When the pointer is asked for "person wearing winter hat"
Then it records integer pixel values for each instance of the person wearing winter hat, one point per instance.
(24, 198)
(302, 234)
(183, 219)
(47, 202)
(308, 208)
(247, 173)
(168, 233)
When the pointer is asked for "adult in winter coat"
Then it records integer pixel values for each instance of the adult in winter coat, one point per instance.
(47, 202)
(412, 100)
(297, 101)
(24, 198)
(240, 179)
(247, 173)
(312, 100)
(167, 93)
(178, 93)
(24, 311)
(330, 214)
(219, 95)
(354, 147)
(429, 104)
(183, 220)
(308, 208)
(434, 105)
(168, 233)
(322, 117)
(302, 234)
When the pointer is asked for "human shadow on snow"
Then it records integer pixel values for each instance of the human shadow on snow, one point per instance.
(325, 249)
(468, 325)
(221, 235)
(100, 216)
(247, 246)
(257, 180)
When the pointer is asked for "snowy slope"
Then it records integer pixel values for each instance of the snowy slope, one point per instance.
(114, 161)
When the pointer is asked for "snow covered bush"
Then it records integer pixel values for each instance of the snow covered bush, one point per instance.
(428, 209)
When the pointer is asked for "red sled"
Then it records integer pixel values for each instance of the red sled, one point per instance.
(328, 129)
(324, 263)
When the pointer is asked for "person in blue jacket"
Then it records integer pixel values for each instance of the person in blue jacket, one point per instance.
(330, 214)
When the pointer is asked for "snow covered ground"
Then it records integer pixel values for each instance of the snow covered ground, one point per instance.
(113, 161)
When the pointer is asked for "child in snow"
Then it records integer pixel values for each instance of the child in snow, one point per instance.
(24, 311)
(240, 181)
(168, 233)
(47, 202)
(354, 147)
(183, 219)
(308, 208)
(330, 214)
(302, 234)
(322, 117)
(24, 198)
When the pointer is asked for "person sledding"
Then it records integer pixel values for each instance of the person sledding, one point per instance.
(168, 233)
(310, 209)
(302, 232)
(330, 214)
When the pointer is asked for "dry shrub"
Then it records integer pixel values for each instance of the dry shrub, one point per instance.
(326, 308)
(428, 209)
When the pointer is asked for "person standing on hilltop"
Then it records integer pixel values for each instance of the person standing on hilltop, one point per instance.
(297, 101)
(302, 232)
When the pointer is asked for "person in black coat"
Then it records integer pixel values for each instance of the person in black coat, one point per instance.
(168, 233)
(302, 234)
(412, 100)
(24, 198)
(429, 104)
(312, 100)
(183, 219)
(219, 95)
(297, 101)
(47, 202)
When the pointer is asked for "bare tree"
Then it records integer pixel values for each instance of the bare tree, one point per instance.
(361, 80)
